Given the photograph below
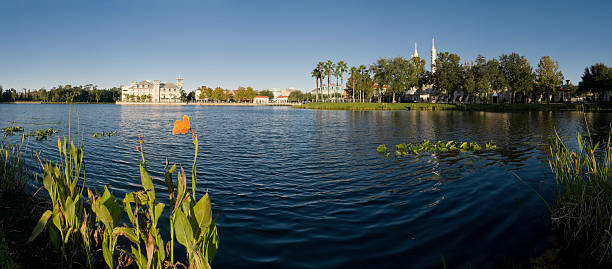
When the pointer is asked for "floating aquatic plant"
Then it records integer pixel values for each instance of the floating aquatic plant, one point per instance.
(40, 135)
(12, 129)
(434, 147)
(96, 135)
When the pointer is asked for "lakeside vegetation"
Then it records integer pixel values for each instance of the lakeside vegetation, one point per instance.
(86, 233)
(87, 93)
(582, 213)
(509, 78)
(464, 107)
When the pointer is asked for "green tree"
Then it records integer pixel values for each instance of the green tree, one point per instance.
(241, 94)
(596, 79)
(268, 93)
(548, 77)
(353, 80)
(296, 96)
(342, 67)
(449, 73)
(329, 68)
(321, 67)
(316, 73)
(205, 93)
(217, 94)
(518, 73)
(250, 94)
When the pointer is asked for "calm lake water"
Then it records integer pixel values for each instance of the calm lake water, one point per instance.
(306, 188)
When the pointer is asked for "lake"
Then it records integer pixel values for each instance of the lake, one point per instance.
(297, 188)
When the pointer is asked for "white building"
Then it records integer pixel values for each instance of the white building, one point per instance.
(261, 100)
(282, 99)
(152, 91)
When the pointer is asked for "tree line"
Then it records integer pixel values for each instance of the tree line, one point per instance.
(241, 94)
(88, 93)
(511, 75)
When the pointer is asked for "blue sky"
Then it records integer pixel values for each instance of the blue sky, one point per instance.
(275, 44)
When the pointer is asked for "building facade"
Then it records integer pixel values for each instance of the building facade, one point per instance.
(152, 91)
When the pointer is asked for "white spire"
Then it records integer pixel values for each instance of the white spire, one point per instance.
(433, 56)
(416, 53)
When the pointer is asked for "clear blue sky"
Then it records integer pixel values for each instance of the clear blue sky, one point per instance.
(269, 44)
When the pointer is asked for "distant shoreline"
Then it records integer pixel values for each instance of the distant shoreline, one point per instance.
(460, 107)
(204, 104)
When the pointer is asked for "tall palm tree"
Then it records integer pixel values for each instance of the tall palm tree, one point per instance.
(362, 71)
(316, 73)
(342, 68)
(336, 73)
(353, 71)
(321, 68)
(329, 67)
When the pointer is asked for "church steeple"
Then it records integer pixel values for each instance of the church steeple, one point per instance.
(416, 53)
(433, 56)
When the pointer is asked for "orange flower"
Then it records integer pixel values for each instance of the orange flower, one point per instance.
(182, 126)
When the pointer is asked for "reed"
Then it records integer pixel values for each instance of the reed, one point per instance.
(583, 210)
(13, 170)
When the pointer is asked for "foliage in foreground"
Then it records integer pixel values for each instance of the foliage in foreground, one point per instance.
(13, 171)
(71, 229)
(583, 210)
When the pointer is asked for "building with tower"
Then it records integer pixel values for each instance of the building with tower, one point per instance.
(416, 53)
(152, 91)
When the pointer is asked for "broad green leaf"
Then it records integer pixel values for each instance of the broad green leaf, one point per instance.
(110, 202)
(42, 222)
(70, 211)
(212, 243)
(140, 259)
(104, 216)
(203, 211)
(107, 252)
(147, 183)
(129, 233)
(182, 229)
(159, 208)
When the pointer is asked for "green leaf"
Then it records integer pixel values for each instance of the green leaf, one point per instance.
(382, 148)
(212, 243)
(182, 229)
(42, 222)
(107, 252)
(159, 208)
(141, 260)
(147, 183)
(203, 212)
(129, 233)
(109, 201)
(104, 215)
(69, 211)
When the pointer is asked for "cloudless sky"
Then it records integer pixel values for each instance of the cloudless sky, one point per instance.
(275, 44)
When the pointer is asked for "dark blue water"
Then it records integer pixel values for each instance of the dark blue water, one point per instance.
(306, 189)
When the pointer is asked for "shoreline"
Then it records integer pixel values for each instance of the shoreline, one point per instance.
(456, 107)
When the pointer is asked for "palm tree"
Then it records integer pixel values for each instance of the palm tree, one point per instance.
(342, 68)
(329, 67)
(353, 71)
(336, 73)
(321, 68)
(316, 73)
(362, 71)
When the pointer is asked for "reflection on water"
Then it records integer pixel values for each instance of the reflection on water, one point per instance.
(306, 188)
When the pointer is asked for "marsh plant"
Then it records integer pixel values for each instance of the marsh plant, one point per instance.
(13, 170)
(402, 150)
(583, 209)
(191, 221)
